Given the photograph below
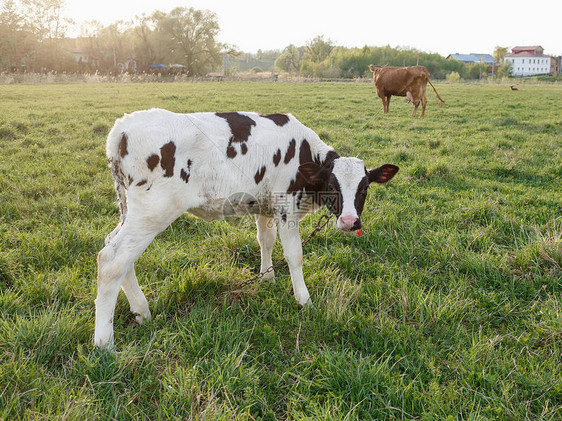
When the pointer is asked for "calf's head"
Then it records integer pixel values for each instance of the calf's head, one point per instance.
(343, 187)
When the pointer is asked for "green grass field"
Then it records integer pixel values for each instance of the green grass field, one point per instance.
(449, 307)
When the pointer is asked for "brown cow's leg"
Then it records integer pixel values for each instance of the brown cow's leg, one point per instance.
(424, 102)
(423, 99)
(384, 105)
(416, 105)
(387, 104)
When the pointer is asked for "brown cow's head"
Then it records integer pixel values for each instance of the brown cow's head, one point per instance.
(376, 70)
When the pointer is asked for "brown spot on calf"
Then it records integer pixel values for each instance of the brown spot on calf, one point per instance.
(184, 175)
(259, 175)
(123, 146)
(290, 154)
(231, 152)
(152, 161)
(277, 157)
(240, 128)
(279, 119)
(168, 152)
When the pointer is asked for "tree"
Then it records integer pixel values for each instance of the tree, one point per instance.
(289, 60)
(473, 71)
(143, 40)
(91, 44)
(268, 55)
(110, 47)
(45, 20)
(15, 42)
(192, 34)
(499, 54)
(318, 49)
(506, 69)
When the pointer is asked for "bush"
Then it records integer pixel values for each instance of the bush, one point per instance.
(506, 69)
(473, 71)
(453, 77)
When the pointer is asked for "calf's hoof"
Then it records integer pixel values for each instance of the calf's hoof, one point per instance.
(143, 317)
(307, 306)
(104, 343)
(304, 300)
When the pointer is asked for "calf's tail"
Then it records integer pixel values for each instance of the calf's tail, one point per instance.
(120, 187)
(116, 150)
(440, 100)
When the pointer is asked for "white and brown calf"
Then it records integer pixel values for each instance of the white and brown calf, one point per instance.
(216, 165)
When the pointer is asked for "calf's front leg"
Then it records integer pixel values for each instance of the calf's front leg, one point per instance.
(267, 231)
(292, 248)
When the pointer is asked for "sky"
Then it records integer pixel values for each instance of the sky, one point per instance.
(436, 26)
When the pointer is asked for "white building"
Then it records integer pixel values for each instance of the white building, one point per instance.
(528, 61)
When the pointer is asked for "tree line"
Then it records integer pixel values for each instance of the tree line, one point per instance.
(322, 58)
(33, 38)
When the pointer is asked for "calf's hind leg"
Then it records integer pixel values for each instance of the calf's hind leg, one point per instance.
(116, 267)
(137, 300)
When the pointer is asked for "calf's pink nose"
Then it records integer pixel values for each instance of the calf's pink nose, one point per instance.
(348, 221)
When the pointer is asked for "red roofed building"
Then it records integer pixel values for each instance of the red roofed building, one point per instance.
(528, 61)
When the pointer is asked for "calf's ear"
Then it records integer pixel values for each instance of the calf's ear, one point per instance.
(313, 173)
(383, 173)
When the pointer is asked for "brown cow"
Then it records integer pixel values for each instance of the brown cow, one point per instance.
(403, 81)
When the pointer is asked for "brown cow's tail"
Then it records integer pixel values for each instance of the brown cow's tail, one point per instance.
(440, 100)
